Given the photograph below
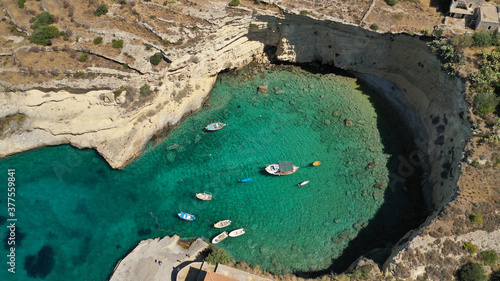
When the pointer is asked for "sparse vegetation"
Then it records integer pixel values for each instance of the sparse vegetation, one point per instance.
(485, 84)
(234, 3)
(145, 90)
(469, 247)
(449, 57)
(119, 91)
(101, 10)
(148, 46)
(303, 13)
(83, 57)
(374, 26)
(476, 219)
(482, 38)
(98, 40)
(488, 257)
(117, 44)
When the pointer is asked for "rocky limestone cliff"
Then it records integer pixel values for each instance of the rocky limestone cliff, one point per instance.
(398, 66)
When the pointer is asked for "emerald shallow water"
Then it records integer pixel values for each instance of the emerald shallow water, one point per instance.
(88, 216)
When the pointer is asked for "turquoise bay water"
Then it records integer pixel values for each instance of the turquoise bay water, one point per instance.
(85, 216)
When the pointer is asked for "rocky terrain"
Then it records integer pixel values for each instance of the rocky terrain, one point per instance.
(107, 93)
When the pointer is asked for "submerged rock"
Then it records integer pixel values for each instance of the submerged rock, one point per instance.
(371, 165)
(263, 90)
(327, 122)
(348, 122)
(379, 186)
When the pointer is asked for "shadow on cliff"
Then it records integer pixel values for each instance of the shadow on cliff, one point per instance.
(404, 206)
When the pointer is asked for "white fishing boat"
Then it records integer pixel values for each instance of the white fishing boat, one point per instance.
(220, 237)
(222, 224)
(282, 168)
(204, 196)
(237, 232)
(303, 183)
(215, 126)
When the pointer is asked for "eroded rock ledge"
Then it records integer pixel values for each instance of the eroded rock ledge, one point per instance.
(398, 66)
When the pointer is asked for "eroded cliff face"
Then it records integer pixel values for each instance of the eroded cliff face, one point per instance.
(399, 67)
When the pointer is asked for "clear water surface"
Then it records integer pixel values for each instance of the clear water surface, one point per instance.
(77, 217)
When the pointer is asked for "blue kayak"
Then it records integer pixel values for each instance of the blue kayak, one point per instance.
(246, 180)
(186, 216)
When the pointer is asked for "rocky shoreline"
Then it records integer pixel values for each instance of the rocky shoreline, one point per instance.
(398, 66)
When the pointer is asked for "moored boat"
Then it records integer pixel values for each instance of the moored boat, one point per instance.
(282, 168)
(204, 196)
(316, 163)
(237, 232)
(215, 126)
(222, 224)
(245, 180)
(186, 216)
(303, 183)
(219, 237)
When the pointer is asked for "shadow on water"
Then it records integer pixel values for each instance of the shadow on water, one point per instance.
(404, 206)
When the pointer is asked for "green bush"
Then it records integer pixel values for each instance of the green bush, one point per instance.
(21, 3)
(145, 90)
(374, 26)
(101, 10)
(489, 257)
(391, 2)
(485, 103)
(234, 3)
(461, 41)
(83, 57)
(117, 44)
(438, 33)
(449, 57)
(156, 58)
(43, 34)
(98, 40)
(476, 219)
(148, 46)
(42, 19)
(472, 272)
(469, 247)
(303, 13)
(119, 91)
(218, 256)
(482, 38)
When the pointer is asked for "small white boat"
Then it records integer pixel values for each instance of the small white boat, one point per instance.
(215, 126)
(220, 237)
(204, 196)
(237, 232)
(282, 168)
(222, 224)
(303, 183)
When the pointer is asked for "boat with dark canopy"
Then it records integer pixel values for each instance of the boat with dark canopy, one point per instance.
(282, 168)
